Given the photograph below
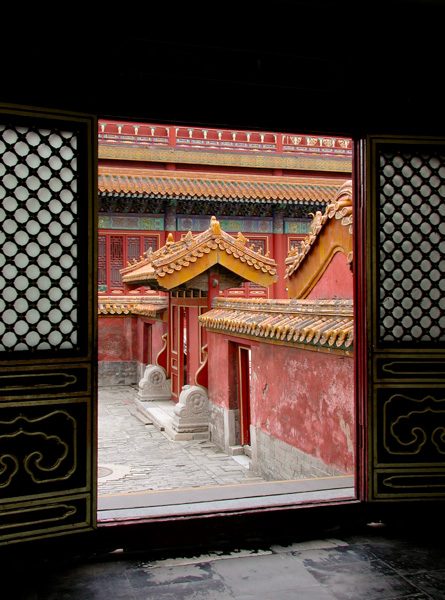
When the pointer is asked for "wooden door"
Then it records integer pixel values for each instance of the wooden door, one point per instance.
(406, 318)
(48, 292)
(244, 394)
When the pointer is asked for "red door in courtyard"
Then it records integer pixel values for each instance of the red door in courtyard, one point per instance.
(243, 361)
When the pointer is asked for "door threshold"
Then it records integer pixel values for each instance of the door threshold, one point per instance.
(207, 500)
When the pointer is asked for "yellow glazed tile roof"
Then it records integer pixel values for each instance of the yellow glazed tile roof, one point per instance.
(178, 262)
(221, 186)
(128, 305)
(326, 323)
(339, 208)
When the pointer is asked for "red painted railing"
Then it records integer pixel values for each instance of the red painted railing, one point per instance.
(193, 138)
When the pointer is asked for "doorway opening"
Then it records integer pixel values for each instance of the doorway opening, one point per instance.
(288, 198)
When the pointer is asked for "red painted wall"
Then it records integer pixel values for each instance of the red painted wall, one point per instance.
(301, 397)
(221, 371)
(336, 281)
(305, 399)
(121, 338)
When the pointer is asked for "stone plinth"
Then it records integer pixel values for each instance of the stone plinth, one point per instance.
(154, 385)
(191, 413)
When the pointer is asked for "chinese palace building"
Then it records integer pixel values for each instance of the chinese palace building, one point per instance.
(160, 181)
(225, 261)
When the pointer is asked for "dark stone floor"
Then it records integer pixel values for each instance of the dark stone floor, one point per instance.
(377, 564)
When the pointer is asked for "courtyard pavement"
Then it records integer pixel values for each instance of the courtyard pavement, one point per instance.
(136, 457)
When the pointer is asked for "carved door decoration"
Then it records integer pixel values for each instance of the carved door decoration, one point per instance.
(48, 291)
(406, 318)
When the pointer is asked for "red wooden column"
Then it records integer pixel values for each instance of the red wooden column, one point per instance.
(193, 343)
(279, 254)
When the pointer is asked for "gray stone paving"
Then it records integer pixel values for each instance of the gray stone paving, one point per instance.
(133, 457)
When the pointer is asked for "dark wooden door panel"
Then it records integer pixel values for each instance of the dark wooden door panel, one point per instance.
(406, 318)
(48, 292)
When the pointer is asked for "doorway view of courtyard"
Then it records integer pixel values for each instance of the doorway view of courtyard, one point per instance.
(225, 319)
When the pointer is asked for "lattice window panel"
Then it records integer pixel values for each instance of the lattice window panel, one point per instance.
(102, 262)
(412, 246)
(150, 242)
(116, 260)
(133, 248)
(38, 239)
(258, 244)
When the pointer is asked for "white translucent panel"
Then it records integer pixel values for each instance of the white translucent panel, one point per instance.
(21, 328)
(32, 227)
(44, 261)
(66, 304)
(33, 138)
(9, 159)
(32, 272)
(44, 305)
(33, 183)
(10, 181)
(55, 294)
(66, 327)
(66, 218)
(33, 294)
(33, 249)
(37, 303)
(21, 238)
(44, 283)
(66, 196)
(55, 250)
(54, 338)
(66, 283)
(55, 163)
(66, 175)
(10, 249)
(32, 316)
(55, 140)
(55, 315)
(44, 327)
(9, 339)
(9, 316)
(9, 226)
(55, 228)
(55, 184)
(21, 283)
(10, 271)
(32, 339)
(55, 272)
(21, 171)
(55, 206)
(66, 239)
(44, 217)
(10, 136)
(9, 294)
(44, 238)
(66, 153)
(21, 260)
(44, 173)
(44, 194)
(44, 150)
(66, 262)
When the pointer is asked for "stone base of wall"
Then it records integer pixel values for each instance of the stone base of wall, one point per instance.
(276, 460)
(224, 427)
(120, 373)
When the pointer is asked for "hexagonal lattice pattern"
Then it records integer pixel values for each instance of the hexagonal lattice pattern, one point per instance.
(412, 246)
(38, 239)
